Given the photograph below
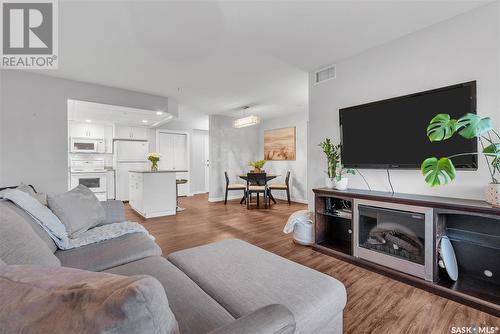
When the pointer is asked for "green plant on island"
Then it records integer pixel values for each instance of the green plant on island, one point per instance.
(470, 126)
(335, 170)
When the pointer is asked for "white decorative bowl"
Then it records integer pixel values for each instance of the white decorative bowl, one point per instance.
(493, 194)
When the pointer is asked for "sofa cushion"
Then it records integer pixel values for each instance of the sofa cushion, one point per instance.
(65, 300)
(109, 253)
(243, 278)
(19, 244)
(195, 311)
(115, 212)
(42, 234)
(270, 319)
(78, 209)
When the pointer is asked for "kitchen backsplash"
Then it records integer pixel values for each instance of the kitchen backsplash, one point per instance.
(108, 158)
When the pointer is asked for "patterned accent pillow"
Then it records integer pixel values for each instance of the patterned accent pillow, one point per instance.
(66, 300)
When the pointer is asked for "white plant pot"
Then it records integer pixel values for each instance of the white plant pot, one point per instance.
(330, 183)
(493, 194)
(342, 184)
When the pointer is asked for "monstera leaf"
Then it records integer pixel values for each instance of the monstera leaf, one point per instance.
(471, 125)
(492, 150)
(438, 172)
(496, 163)
(441, 127)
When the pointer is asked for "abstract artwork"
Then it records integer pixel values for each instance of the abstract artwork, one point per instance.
(279, 144)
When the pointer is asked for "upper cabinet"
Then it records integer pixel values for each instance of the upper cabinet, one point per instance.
(86, 130)
(131, 132)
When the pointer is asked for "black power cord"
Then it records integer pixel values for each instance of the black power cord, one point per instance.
(364, 179)
(389, 178)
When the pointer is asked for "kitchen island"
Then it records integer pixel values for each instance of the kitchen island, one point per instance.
(153, 193)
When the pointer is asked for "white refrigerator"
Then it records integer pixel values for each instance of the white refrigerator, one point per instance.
(128, 155)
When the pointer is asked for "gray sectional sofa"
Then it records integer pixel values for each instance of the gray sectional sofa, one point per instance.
(221, 288)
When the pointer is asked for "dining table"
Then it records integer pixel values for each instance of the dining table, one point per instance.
(269, 177)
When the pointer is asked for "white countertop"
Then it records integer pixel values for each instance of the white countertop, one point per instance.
(159, 171)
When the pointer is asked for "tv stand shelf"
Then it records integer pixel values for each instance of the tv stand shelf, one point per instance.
(472, 226)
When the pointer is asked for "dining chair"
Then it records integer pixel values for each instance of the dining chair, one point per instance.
(282, 186)
(257, 184)
(233, 186)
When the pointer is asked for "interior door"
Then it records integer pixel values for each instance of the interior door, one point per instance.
(174, 156)
(166, 149)
(207, 161)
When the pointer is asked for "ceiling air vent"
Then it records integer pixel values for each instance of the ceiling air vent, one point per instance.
(324, 74)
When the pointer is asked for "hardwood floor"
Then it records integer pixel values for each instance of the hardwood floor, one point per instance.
(375, 303)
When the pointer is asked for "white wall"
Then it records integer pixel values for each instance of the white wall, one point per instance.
(462, 49)
(298, 167)
(34, 130)
(230, 150)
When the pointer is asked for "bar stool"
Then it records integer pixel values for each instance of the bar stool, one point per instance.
(177, 182)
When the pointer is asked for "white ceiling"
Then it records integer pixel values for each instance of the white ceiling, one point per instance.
(83, 111)
(215, 57)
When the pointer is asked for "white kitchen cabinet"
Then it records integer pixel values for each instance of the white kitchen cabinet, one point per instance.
(86, 130)
(131, 132)
(152, 194)
(110, 184)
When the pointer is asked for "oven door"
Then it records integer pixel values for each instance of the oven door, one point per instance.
(94, 181)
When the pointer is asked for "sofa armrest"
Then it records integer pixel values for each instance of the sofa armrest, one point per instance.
(115, 212)
(270, 319)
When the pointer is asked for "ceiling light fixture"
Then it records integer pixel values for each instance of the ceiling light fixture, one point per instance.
(88, 120)
(159, 113)
(247, 120)
(144, 121)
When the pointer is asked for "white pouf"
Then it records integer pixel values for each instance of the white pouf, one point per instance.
(302, 226)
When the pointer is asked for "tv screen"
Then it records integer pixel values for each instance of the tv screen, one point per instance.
(393, 133)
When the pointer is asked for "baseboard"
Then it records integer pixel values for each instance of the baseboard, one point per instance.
(198, 192)
(297, 200)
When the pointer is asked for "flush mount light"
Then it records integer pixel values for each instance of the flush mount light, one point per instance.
(246, 121)
(88, 120)
(159, 113)
(144, 121)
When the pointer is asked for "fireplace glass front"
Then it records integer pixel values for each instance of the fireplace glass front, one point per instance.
(396, 233)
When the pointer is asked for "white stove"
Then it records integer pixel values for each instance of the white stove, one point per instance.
(90, 173)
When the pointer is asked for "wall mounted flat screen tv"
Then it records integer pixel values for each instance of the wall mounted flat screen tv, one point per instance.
(392, 133)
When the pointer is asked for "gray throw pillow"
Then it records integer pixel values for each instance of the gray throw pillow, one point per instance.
(78, 209)
(65, 300)
(2, 263)
(19, 244)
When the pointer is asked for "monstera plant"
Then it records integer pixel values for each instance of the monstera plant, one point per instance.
(470, 126)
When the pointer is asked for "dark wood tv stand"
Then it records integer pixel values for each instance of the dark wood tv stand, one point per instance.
(472, 226)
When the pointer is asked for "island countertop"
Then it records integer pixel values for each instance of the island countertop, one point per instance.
(159, 171)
